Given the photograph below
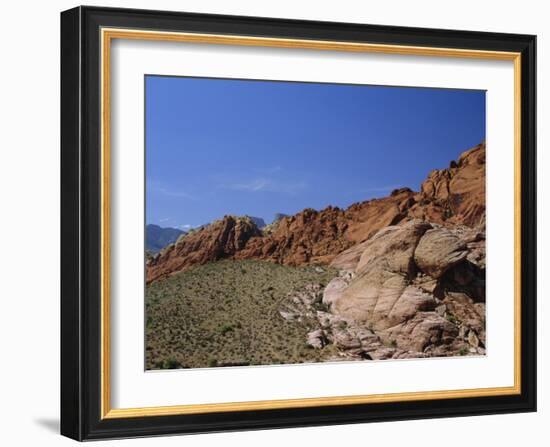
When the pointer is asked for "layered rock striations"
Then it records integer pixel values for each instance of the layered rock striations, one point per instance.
(417, 287)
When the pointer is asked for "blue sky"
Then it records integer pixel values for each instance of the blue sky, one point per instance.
(217, 146)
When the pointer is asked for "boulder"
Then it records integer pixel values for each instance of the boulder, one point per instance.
(316, 339)
(348, 259)
(425, 328)
(334, 290)
(411, 301)
(473, 340)
(467, 312)
(439, 250)
(345, 339)
(382, 276)
(392, 248)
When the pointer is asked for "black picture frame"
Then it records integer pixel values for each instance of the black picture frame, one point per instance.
(81, 223)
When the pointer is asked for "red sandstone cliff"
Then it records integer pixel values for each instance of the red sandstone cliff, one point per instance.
(451, 196)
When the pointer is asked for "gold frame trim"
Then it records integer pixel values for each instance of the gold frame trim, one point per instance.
(107, 35)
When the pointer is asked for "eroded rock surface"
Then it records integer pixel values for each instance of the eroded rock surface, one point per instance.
(379, 292)
(411, 290)
(438, 250)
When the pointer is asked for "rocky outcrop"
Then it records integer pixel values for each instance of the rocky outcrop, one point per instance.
(348, 259)
(316, 339)
(366, 218)
(458, 190)
(309, 237)
(412, 290)
(438, 251)
(449, 197)
(382, 276)
(219, 240)
(334, 289)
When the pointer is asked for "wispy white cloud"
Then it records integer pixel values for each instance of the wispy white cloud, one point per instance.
(156, 187)
(185, 227)
(270, 169)
(262, 184)
(254, 185)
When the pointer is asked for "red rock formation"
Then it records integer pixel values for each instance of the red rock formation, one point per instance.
(308, 237)
(456, 195)
(220, 239)
(451, 196)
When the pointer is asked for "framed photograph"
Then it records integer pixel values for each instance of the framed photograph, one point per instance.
(276, 223)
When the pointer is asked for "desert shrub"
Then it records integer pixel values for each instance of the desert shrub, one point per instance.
(226, 328)
(169, 363)
(212, 363)
(322, 306)
(451, 318)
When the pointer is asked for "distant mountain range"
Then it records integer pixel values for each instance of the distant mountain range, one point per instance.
(279, 216)
(156, 237)
(260, 223)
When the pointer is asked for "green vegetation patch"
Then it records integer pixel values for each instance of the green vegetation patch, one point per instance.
(227, 314)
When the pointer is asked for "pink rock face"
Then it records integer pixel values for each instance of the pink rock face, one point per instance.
(422, 330)
(415, 287)
(316, 339)
(438, 251)
(382, 276)
(392, 249)
(334, 290)
(411, 301)
(348, 259)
